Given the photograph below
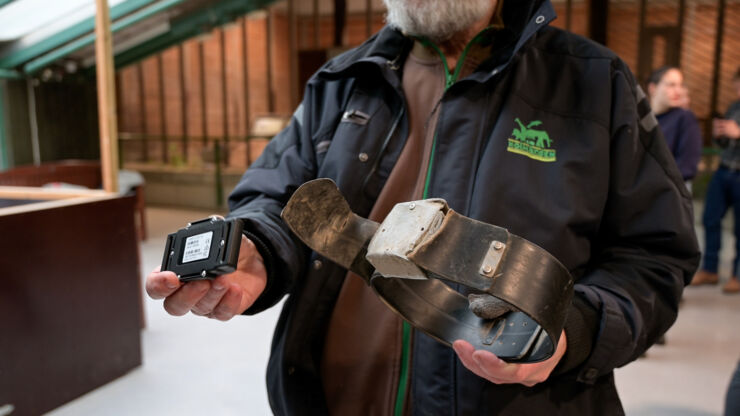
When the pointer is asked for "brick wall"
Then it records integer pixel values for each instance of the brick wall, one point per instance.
(205, 108)
(141, 106)
(697, 49)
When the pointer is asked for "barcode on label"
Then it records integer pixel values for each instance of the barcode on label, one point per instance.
(197, 247)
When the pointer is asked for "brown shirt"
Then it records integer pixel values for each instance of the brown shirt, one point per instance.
(362, 354)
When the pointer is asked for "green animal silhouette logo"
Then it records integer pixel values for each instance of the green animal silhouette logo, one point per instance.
(531, 142)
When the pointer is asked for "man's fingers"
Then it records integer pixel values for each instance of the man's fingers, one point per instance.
(221, 298)
(229, 305)
(159, 285)
(209, 301)
(495, 367)
(185, 298)
(486, 365)
(465, 351)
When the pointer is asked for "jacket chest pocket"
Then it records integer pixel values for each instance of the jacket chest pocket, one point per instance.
(357, 142)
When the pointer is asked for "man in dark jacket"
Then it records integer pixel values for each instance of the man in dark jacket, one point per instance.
(513, 123)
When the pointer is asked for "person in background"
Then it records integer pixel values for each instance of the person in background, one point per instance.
(723, 193)
(668, 98)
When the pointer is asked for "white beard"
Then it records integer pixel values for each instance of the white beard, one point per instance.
(437, 20)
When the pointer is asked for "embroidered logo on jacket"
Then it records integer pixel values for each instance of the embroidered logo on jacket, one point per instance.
(530, 142)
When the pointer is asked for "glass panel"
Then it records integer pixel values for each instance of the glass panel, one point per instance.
(22, 17)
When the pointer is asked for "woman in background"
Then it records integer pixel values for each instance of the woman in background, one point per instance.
(668, 98)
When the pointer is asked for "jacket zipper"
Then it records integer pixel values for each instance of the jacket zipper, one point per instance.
(450, 78)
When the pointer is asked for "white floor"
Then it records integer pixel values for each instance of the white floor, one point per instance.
(192, 365)
(195, 366)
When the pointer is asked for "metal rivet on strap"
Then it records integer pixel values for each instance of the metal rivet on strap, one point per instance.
(363, 157)
(540, 19)
(317, 264)
(498, 245)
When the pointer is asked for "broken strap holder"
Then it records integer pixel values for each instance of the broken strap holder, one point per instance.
(422, 244)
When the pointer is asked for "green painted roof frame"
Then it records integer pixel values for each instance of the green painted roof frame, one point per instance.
(190, 26)
(33, 58)
(4, 160)
(142, 14)
(9, 74)
(20, 56)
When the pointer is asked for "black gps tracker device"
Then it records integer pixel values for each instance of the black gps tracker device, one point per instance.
(204, 249)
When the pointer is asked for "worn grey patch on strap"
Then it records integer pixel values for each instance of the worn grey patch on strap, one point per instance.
(487, 306)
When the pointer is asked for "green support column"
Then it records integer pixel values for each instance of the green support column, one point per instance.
(4, 159)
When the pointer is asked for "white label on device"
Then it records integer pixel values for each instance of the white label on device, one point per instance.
(197, 247)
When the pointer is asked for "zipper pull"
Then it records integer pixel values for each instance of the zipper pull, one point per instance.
(356, 117)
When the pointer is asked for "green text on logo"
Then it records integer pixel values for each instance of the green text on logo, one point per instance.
(530, 142)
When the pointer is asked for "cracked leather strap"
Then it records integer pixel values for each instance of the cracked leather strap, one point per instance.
(456, 250)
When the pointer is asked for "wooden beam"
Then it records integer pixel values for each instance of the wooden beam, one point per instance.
(598, 19)
(316, 25)
(37, 193)
(224, 93)
(681, 18)
(163, 133)
(340, 20)
(143, 114)
(106, 97)
(293, 50)
(270, 97)
(245, 68)
(183, 101)
(717, 56)
(202, 79)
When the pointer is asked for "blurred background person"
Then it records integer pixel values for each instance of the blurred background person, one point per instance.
(685, 101)
(669, 101)
(723, 193)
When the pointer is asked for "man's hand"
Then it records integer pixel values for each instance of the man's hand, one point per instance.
(727, 128)
(488, 366)
(220, 298)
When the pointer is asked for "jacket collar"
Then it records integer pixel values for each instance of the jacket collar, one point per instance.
(389, 46)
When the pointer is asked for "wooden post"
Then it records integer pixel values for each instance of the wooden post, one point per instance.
(143, 113)
(340, 20)
(713, 102)
(106, 97)
(293, 48)
(163, 133)
(183, 102)
(270, 96)
(598, 20)
(245, 68)
(316, 25)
